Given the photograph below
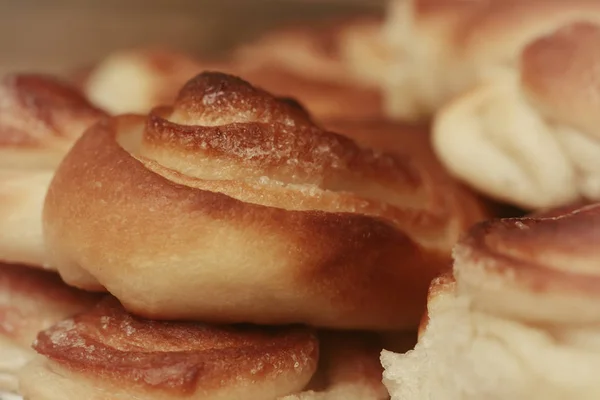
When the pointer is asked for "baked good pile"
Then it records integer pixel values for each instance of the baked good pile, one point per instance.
(377, 208)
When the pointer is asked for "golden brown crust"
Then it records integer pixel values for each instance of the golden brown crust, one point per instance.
(106, 344)
(560, 74)
(40, 118)
(306, 210)
(543, 267)
(34, 299)
(31, 300)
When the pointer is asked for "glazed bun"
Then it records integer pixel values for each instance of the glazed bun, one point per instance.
(532, 141)
(233, 194)
(440, 49)
(31, 300)
(517, 320)
(40, 119)
(107, 351)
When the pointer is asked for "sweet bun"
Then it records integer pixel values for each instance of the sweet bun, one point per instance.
(532, 141)
(137, 80)
(441, 49)
(333, 70)
(233, 194)
(517, 320)
(106, 350)
(30, 300)
(40, 118)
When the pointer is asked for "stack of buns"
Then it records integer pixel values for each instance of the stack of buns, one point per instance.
(261, 226)
(231, 207)
(40, 119)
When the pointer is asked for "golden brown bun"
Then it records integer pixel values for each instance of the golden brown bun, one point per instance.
(137, 80)
(442, 48)
(233, 194)
(106, 350)
(533, 141)
(517, 320)
(40, 118)
(30, 301)
(329, 69)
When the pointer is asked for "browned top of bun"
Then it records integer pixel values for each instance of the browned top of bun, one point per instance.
(549, 265)
(230, 166)
(32, 300)
(40, 113)
(181, 358)
(561, 74)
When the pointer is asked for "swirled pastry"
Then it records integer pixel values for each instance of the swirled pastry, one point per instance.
(439, 49)
(331, 70)
(40, 118)
(31, 300)
(535, 141)
(107, 352)
(518, 320)
(232, 206)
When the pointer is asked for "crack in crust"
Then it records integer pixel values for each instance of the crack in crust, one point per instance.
(236, 191)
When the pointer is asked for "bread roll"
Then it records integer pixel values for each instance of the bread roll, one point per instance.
(40, 118)
(137, 80)
(233, 194)
(330, 69)
(107, 352)
(440, 49)
(30, 301)
(518, 320)
(532, 141)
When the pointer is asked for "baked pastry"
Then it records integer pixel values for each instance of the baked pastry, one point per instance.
(31, 300)
(106, 350)
(234, 194)
(440, 49)
(137, 80)
(40, 118)
(518, 320)
(448, 198)
(333, 70)
(532, 141)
